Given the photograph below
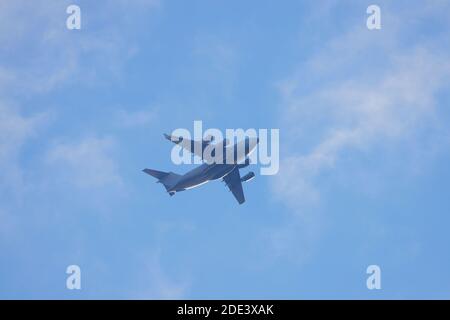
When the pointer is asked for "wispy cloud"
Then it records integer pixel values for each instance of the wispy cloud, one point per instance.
(156, 282)
(16, 130)
(361, 115)
(362, 91)
(40, 54)
(88, 163)
(161, 285)
(127, 119)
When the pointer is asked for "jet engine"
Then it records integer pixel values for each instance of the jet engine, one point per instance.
(249, 176)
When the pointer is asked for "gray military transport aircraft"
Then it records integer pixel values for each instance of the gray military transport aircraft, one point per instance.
(227, 170)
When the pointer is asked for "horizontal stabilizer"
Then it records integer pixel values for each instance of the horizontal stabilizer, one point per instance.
(168, 179)
(155, 173)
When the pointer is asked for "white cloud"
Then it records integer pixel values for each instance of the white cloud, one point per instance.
(16, 129)
(163, 286)
(155, 280)
(361, 114)
(216, 61)
(362, 91)
(138, 118)
(88, 163)
(39, 53)
(216, 53)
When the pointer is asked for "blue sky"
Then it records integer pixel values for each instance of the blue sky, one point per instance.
(364, 149)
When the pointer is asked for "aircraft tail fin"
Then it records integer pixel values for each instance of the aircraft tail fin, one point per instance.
(168, 179)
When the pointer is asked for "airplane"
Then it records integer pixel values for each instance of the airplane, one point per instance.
(229, 173)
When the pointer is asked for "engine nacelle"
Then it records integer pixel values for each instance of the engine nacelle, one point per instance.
(245, 164)
(249, 176)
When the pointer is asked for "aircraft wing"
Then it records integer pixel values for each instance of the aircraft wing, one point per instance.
(195, 147)
(233, 181)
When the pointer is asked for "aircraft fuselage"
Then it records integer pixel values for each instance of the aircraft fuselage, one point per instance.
(201, 175)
